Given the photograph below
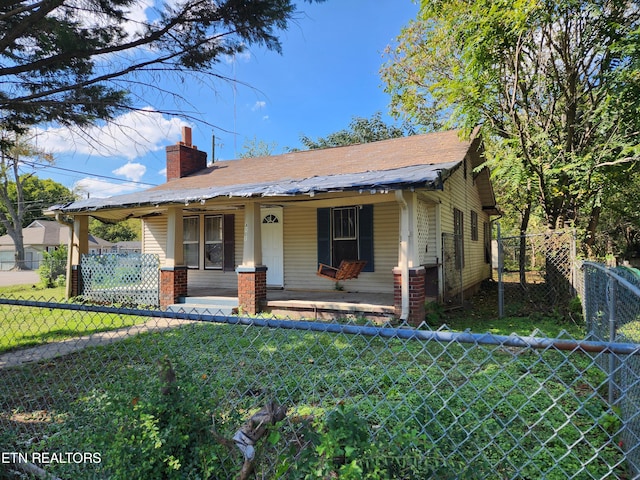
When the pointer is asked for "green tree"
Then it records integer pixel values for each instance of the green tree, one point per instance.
(38, 194)
(554, 85)
(23, 196)
(74, 63)
(360, 130)
(125, 231)
(257, 148)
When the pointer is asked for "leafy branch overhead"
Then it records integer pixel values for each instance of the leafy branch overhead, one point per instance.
(553, 83)
(75, 62)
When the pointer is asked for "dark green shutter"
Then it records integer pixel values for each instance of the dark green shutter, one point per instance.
(365, 237)
(229, 239)
(324, 236)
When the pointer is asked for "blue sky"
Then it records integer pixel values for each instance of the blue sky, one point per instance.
(328, 73)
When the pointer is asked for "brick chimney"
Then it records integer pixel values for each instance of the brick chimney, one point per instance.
(183, 158)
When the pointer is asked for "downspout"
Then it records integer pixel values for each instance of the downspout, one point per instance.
(403, 254)
(59, 218)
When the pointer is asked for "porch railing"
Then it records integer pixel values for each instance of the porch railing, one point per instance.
(130, 279)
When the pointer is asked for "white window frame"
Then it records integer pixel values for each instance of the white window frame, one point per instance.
(214, 242)
(192, 242)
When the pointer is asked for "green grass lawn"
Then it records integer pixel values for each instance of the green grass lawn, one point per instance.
(33, 292)
(22, 327)
(447, 410)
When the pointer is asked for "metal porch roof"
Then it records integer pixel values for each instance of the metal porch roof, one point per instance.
(418, 176)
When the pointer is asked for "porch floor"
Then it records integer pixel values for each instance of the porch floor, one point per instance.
(314, 304)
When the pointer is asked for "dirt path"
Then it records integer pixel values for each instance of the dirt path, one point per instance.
(65, 347)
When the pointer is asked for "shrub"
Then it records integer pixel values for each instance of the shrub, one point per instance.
(53, 266)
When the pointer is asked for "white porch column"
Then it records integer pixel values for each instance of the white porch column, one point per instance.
(80, 239)
(174, 250)
(79, 246)
(409, 276)
(252, 275)
(173, 274)
(252, 252)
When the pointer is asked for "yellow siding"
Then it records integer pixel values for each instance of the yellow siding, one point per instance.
(154, 236)
(154, 240)
(462, 194)
(300, 251)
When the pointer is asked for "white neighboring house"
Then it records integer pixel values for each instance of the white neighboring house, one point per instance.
(43, 236)
(134, 246)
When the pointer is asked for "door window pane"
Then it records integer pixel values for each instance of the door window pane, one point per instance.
(344, 223)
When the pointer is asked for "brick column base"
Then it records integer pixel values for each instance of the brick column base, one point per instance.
(252, 288)
(417, 295)
(173, 285)
(76, 280)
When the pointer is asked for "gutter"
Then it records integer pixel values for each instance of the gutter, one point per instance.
(404, 263)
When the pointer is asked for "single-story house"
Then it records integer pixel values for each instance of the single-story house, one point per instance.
(127, 246)
(415, 209)
(43, 236)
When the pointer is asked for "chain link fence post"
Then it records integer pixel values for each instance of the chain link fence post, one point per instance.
(612, 337)
(500, 274)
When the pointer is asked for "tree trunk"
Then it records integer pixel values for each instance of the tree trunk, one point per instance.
(590, 239)
(522, 260)
(19, 256)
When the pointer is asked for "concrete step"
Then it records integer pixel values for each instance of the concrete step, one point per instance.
(205, 305)
(229, 301)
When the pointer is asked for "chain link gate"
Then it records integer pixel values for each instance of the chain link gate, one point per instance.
(536, 273)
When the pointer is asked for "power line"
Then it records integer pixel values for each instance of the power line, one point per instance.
(36, 164)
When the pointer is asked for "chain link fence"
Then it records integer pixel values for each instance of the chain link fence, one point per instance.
(611, 302)
(536, 272)
(98, 392)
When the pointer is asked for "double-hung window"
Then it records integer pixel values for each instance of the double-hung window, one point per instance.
(474, 225)
(191, 241)
(213, 242)
(458, 231)
(208, 242)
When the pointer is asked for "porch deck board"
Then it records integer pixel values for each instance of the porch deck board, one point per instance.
(301, 297)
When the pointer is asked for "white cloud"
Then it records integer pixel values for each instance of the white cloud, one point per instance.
(163, 172)
(131, 171)
(129, 136)
(99, 188)
(243, 57)
(134, 21)
(259, 105)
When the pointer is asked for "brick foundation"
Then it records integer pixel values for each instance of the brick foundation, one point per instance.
(252, 288)
(417, 294)
(173, 285)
